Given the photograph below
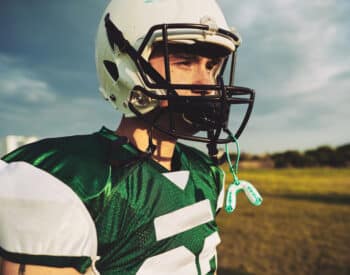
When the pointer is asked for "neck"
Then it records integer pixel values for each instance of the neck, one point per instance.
(138, 131)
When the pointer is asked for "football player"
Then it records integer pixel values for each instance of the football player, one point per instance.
(151, 201)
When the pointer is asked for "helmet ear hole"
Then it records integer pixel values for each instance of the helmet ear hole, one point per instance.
(112, 69)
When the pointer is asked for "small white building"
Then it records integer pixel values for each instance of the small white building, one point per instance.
(10, 143)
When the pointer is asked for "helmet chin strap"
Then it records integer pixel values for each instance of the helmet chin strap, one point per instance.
(238, 185)
(212, 146)
(151, 146)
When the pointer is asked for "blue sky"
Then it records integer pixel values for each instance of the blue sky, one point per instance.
(294, 54)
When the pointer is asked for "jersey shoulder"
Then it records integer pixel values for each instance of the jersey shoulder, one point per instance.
(205, 167)
(79, 161)
(199, 160)
(196, 156)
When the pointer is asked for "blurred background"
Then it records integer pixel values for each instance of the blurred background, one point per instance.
(296, 145)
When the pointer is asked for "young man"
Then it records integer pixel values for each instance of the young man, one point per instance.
(153, 201)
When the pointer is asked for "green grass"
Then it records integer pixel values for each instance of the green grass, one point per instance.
(302, 227)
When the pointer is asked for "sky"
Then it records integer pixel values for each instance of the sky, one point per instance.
(294, 54)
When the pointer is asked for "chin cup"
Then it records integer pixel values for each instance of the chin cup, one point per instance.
(203, 116)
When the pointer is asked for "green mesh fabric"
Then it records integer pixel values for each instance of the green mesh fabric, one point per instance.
(125, 193)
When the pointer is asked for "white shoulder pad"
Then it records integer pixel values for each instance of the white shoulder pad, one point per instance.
(3, 164)
(40, 215)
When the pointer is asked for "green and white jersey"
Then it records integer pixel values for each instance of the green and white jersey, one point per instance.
(148, 220)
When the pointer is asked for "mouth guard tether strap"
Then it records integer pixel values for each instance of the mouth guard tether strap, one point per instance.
(239, 185)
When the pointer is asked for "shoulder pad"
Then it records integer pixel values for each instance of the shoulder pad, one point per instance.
(81, 162)
(43, 220)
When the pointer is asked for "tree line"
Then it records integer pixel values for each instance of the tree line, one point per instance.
(318, 157)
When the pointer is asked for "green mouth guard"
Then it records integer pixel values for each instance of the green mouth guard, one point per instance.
(239, 185)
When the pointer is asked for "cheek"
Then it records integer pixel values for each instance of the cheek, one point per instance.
(181, 76)
(158, 65)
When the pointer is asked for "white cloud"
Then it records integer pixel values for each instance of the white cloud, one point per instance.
(30, 106)
(306, 31)
(316, 38)
(295, 54)
(65, 116)
(20, 84)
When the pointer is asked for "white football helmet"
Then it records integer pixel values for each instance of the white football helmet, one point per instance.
(126, 35)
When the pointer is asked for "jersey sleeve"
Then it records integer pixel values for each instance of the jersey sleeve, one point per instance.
(42, 221)
(81, 162)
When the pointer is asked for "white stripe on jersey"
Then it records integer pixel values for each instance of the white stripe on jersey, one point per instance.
(183, 219)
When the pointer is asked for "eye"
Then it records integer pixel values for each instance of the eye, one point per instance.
(184, 62)
(213, 64)
(182, 65)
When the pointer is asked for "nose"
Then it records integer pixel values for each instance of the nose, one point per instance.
(203, 76)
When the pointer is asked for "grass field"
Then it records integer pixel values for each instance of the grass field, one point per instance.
(302, 227)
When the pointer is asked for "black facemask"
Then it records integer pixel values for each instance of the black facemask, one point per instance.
(203, 116)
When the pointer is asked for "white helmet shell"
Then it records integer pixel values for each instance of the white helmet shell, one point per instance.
(134, 18)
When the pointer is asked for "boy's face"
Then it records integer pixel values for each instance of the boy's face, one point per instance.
(188, 67)
(197, 64)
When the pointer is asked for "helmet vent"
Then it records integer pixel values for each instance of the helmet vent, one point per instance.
(112, 69)
(113, 98)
